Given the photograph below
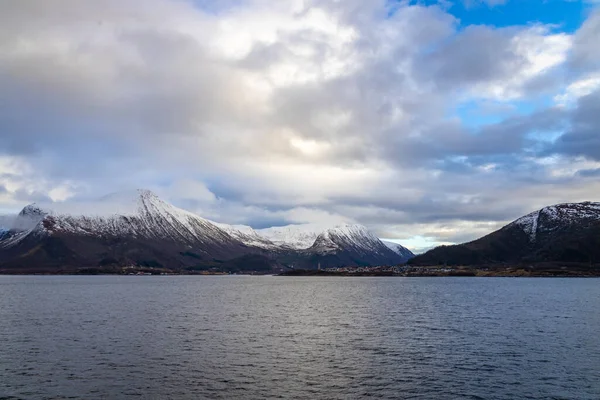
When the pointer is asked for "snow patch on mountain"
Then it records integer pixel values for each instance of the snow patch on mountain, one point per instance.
(121, 204)
(529, 224)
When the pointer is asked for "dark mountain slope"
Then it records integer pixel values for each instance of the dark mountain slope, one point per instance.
(561, 233)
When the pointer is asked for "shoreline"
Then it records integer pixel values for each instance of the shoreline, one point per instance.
(573, 275)
(548, 270)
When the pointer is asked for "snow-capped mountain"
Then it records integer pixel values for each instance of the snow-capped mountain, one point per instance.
(319, 239)
(126, 228)
(357, 243)
(139, 214)
(399, 249)
(555, 217)
(139, 228)
(564, 233)
(356, 237)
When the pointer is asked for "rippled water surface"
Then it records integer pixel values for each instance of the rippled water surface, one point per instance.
(304, 338)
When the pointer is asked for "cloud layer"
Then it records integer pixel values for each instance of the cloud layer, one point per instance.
(394, 115)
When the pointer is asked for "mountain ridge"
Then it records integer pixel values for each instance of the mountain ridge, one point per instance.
(140, 228)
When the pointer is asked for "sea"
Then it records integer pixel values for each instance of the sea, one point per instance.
(269, 337)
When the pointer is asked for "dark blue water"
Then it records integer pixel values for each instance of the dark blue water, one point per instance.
(303, 338)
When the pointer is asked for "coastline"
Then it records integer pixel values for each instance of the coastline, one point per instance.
(316, 273)
(542, 270)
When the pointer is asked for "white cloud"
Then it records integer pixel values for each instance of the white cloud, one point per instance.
(537, 53)
(272, 112)
(191, 190)
(577, 89)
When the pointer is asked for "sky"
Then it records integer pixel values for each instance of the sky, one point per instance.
(430, 122)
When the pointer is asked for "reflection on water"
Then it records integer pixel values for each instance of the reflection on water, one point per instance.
(303, 337)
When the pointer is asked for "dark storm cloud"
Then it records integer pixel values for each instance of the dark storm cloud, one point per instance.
(583, 137)
(589, 173)
(478, 54)
(429, 209)
(31, 196)
(500, 143)
(478, 195)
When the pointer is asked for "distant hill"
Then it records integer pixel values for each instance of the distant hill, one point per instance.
(568, 233)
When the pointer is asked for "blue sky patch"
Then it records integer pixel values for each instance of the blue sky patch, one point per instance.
(566, 15)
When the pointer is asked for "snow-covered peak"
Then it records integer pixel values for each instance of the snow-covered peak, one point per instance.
(356, 234)
(351, 230)
(123, 204)
(348, 235)
(551, 217)
(137, 213)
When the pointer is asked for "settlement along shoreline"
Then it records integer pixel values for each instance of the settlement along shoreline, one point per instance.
(539, 270)
(493, 270)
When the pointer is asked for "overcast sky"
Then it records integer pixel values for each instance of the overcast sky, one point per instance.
(429, 122)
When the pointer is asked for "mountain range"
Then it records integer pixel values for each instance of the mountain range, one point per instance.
(139, 229)
(563, 233)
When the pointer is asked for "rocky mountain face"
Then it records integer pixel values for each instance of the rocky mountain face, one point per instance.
(139, 229)
(561, 233)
